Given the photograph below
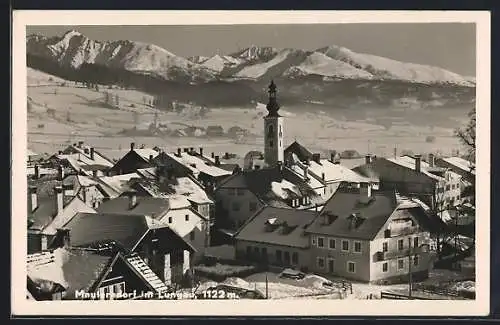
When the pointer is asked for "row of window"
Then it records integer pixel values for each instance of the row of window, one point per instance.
(186, 218)
(302, 201)
(282, 257)
(351, 266)
(116, 288)
(401, 244)
(331, 243)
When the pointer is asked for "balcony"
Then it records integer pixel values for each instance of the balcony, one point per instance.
(383, 256)
(400, 231)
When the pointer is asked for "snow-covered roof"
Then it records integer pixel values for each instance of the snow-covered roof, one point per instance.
(145, 153)
(192, 191)
(119, 183)
(461, 163)
(198, 165)
(409, 162)
(282, 189)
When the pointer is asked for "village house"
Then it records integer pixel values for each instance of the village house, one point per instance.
(86, 188)
(81, 158)
(436, 186)
(276, 236)
(174, 211)
(325, 176)
(207, 170)
(188, 187)
(371, 236)
(70, 273)
(134, 159)
(464, 168)
(35, 158)
(243, 194)
(48, 213)
(161, 248)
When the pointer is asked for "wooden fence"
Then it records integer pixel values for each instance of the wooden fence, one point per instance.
(397, 296)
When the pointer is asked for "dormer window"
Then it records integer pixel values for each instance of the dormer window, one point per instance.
(270, 130)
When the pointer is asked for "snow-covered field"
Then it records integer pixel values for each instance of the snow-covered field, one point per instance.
(79, 113)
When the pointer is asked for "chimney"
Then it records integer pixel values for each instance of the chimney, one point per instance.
(316, 157)
(323, 176)
(80, 144)
(150, 158)
(217, 161)
(395, 152)
(332, 157)
(201, 151)
(68, 189)
(94, 173)
(212, 155)
(191, 150)
(365, 189)
(132, 200)
(186, 149)
(431, 160)
(59, 199)
(64, 235)
(368, 159)
(37, 172)
(132, 145)
(308, 161)
(60, 172)
(418, 160)
(306, 169)
(92, 153)
(179, 152)
(33, 198)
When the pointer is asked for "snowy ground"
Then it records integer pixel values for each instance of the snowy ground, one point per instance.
(79, 114)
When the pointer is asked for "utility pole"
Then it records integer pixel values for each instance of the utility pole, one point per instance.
(409, 268)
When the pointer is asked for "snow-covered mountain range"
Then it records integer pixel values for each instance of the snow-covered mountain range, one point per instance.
(252, 66)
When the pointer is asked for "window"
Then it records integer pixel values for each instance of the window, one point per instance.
(278, 256)
(357, 247)
(119, 287)
(447, 187)
(169, 219)
(232, 191)
(236, 206)
(249, 251)
(270, 130)
(321, 242)
(252, 206)
(264, 253)
(385, 267)
(321, 262)
(332, 243)
(345, 245)
(240, 192)
(416, 260)
(287, 257)
(191, 235)
(415, 242)
(271, 143)
(400, 244)
(351, 267)
(401, 264)
(385, 247)
(256, 251)
(295, 258)
(186, 217)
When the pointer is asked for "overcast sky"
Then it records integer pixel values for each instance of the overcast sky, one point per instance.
(448, 45)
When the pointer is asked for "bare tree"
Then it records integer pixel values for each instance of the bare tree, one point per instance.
(467, 133)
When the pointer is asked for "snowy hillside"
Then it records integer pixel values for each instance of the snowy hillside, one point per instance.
(383, 68)
(322, 65)
(219, 63)
(74, 49)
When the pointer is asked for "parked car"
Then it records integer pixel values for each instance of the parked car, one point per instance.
(292, 274)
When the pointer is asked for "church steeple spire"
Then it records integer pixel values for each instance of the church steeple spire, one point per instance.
(272, 104)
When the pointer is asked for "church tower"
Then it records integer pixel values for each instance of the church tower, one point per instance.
(273, 130)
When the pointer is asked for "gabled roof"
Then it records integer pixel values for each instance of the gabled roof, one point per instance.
(87, 229)
(119, 183)
(45, 217)
(145, 205)
(373, 214)
(73, 269)
(277, 226)
(300, 151)
(463, 164)
(270, 183)
(197, 164)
